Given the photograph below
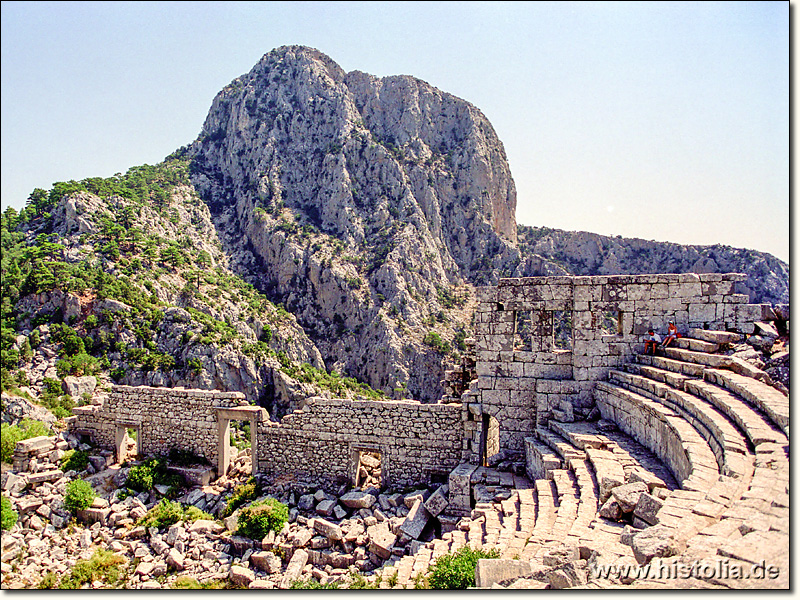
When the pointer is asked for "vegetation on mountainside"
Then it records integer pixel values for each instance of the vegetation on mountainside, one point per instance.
(146, 242)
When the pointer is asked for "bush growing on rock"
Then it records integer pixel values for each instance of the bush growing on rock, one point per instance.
(456, 571)
(79, 495)
(8, 516)
(74, 460)
(103, 566)
(258, 519)
(152, 472)
(167, 513)
(163, 514)
(11, 434)
(242, 495)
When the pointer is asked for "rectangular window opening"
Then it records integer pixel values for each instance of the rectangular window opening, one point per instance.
(523, 331)
(562, 329)
(611, 322)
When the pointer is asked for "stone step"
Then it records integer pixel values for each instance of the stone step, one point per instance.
(563, 448)
(725, 440)
(694, 345)
(636, 461)
(540, 458)
(671, 378)
(755, 425)
(716, 361)
(670, 437)
(670, 364)
(580, 434)
(766, 398)
(715, 337)
(547, 504)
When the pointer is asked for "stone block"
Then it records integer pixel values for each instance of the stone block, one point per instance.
(628, 495)
(357, 499)
(241, 576)
(438, 501)
(647, 508)
(381, 540)
(294, 568)
(329, 530)
(266, 561)
(654, 541)
(416, 520)
(495, 570)
(325, 508)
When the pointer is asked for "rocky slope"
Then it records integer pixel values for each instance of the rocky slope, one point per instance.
(362, 203)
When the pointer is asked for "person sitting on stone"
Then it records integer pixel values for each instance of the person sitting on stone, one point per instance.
(651, 342)
(672, 334)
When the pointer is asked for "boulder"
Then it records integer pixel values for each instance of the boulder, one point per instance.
(176, 560)
(381, 540)
(325, 508)
(329, 530)
(266, 561)
(306, 502)
(241, 576)
(611, 510)
(294, 568)
(568, 575)
(438, 501)
(205, 526)
(78, 386)
(654, 541)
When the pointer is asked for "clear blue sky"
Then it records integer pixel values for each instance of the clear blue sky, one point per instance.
(665, 121)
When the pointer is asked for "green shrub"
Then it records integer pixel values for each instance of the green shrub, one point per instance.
(163, 514)
(456, 571)
(140, 478)
(167, 513)
(74, 460)
(184, 582)
(152, 472)
(8, 516)
(49, 581)
(258, 519)
(242, 495)
(104, 566)
(79, 495)
(192, 514)
(11, 434)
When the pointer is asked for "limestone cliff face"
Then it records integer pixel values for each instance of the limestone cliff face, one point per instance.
(583, 253)
(361, 203)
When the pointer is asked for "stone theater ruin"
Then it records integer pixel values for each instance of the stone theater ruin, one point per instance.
(582, 429)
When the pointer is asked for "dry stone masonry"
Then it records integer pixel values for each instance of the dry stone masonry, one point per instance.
(542, 343)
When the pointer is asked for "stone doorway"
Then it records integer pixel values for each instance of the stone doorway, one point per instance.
(368, 468)
(128, 440)
(252, 415)
(490, 438)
